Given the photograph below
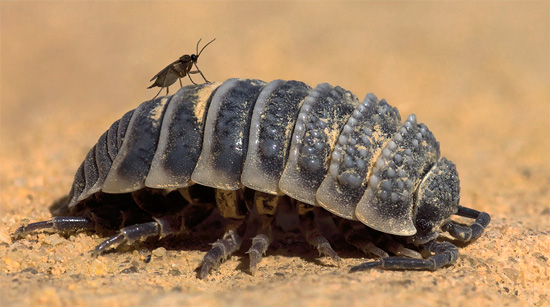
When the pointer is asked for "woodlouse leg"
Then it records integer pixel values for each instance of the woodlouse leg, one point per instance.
(361, 239)
(467, 233)
(232, 206)
(444, 254)
(266, 206)
(312, 233)
(222, 249)
(398, 249)
(161, 227)
(260, 243)
(128, 235)
(58, 224)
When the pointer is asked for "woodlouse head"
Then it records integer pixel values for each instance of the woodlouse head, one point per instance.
(438, 197)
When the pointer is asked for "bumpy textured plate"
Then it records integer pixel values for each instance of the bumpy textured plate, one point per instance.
(387, 204)
(322, 115)
(273, 119)
(367, 131)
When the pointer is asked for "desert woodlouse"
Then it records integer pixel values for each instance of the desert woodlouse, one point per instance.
(250, 146)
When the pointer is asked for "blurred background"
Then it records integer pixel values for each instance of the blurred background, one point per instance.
(476, 73)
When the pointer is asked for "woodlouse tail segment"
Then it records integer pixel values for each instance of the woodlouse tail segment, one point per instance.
(60, 224)
(444, 254)
(467, 233)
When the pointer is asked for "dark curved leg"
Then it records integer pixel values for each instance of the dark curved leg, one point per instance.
(266, 207)
(444, 254)
(232, 206)
(398, 249)
(160, 227)
(260, 243)
(200, 72)
(361, 238)
(189, 75)
(129, 234)
(467, 233)
(312, 233)
(221, 249)
(58, 224)
(158, 93)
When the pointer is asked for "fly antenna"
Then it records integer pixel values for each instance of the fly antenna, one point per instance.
(199, 53)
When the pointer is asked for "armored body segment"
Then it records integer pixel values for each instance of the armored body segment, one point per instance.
(366, 132)
(105, 152)
(91, 173)
(103, 162)
(79, 183)
(226, 134)
(388, 203)
(112, 145)
(322, 115)
(437, 196)
(271, 128)
(134, 157)
(123, 127)
(180, 139)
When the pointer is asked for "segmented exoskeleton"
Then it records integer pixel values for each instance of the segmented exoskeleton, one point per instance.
(251, 146)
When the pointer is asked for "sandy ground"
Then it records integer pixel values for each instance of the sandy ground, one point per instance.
(476, 73)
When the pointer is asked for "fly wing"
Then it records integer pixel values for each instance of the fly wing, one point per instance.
(165, 69)
(181, 68)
